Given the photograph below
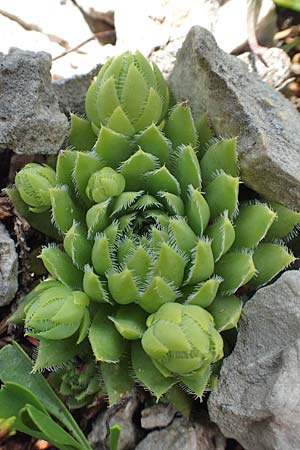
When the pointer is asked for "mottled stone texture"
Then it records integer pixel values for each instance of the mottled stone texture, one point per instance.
(30, 119)
(257, 401)
(8, 267)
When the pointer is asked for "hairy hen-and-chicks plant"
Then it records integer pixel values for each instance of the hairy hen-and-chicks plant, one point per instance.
(155, 244)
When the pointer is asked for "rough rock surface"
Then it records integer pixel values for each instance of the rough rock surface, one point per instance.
(157, 416)
(119, 414)
(30, 119)
(8, 267)
(257, 401)
(276, 68)
(71, 92)
(184, 435)
(240, 104)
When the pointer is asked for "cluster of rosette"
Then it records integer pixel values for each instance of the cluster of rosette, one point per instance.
(155, 247)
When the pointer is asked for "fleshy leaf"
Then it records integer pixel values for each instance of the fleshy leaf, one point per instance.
(82, 136)
(284, 225)
(180, 128)
(135, 167)
(226, 311)
(117, 381)
(270, 260)
(252, 224)
(107, 344)
(130, 322)
(222, 235)
(236, 269)
(222, 194)
(146, 372)
(60, 266)
(112, 147)
(154, 142)
(219, 156)
(197, 211)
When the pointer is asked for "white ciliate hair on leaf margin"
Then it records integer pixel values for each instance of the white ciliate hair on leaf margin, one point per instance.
(129, 203)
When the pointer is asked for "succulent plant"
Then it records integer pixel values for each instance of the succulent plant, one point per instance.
(78, 383)
(127, 96)
(155, 244)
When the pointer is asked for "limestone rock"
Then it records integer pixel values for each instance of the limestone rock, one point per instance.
(185, 435)
(8, 267)
(119, 414)
(240, 104)
(276, 68)
(257, 401)
(30, 120)
(158, 416)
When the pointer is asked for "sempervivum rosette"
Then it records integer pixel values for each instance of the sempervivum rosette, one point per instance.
(155, 250)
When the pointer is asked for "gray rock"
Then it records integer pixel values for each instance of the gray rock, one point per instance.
(30, 119)
(121, 414)
(158, 416)
(71, 91)
(8, 267)
(240, 104)
(185, 435)
(257, 401)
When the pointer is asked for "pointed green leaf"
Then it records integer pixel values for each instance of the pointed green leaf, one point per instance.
(202, 263)
(120, 123)
(156, 294)
(107, 344)
(117, 381)
(270, 260)
(101, 256)
(94, 287)
(106, 100)
(252, 224)
(187, 169)
(236, 269)
(90, 104)
(152, 111)
(77, 246)
(182, 234)
(122, 287)
(134, 169)
(204, 132)
(222, 194)
(60, 266)
(284, 225)
(82, 136)
(112, 147)
(203, 294)
(170, 265)
(50, 354)
(220, 156)
(130, 321)
(153, 141)
(162, 180)
(180, 128)
(64, 210)
(197, 211)
(146, 372)
(226, 311)
(222, 235)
